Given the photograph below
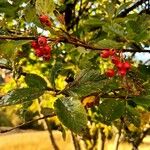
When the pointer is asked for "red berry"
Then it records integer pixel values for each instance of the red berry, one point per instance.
(38, 52)
(122, 72)
(43, 18)
(46, 57)
(119, 65)
(112, 52)
(110, 73)
(42, 41)
(47, 49)
(105, 54)
(34, 44)
(47, 23)
(115, 60)
(126, 65)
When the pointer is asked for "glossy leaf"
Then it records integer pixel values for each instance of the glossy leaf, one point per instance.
(19, 96)
(86, 83)
(33, 80)
(132, 116)
(110, 110)
(71, 113)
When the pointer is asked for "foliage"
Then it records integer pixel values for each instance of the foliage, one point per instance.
(79, 30)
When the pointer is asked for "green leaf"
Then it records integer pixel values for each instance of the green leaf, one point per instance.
(109, 44)
(110, 110)
(35, 81)
(142, 36)
(30, 14)
(86, 83)
(20, 96)
(144, 71)
(8, 47)
(7, 8)
(45, 7)
(142, 101)
(93, 22)
(114, 28)
(88, 60)
(133, 116)
(71, 113)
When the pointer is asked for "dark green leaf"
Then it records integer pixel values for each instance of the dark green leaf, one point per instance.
(20, 96)
(10, 9)
(142, 101)
(133, 116)
(86, 83)
(110, 110)
(71, 113)
(33, 80)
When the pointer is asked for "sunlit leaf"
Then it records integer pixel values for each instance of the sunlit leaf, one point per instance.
(45, 7)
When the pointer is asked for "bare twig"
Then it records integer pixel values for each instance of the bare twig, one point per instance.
(140, 139)
(103, 139)
(116, 142)
(47, 126)
(75, 142)
(31, 121)
(129, 9)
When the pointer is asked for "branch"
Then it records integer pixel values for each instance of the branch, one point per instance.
(31, 121)
(48, 126)
(71, 40)
(143, 135)
(129, 9)
(118, 135)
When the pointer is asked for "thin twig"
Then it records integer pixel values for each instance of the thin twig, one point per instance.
(71, 40)
(116, 142)
(48, 126)
(129, 9)
(51, 135)
(75, 142)
(140, 139)
(31, 121)
(103, 139)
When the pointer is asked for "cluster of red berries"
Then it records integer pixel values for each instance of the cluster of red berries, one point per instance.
(41, 48)
(121, 66)
(45, 20)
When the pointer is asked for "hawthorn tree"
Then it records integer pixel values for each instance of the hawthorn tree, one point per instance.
(76, 59)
